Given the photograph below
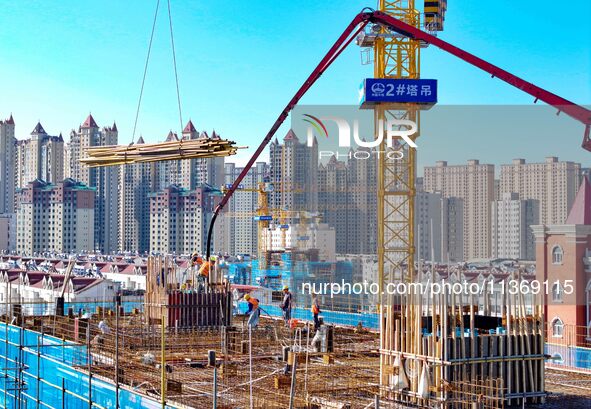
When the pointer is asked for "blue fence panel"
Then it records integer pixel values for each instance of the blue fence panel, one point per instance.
(19, 387)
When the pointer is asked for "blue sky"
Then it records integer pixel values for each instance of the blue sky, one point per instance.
(239, 62)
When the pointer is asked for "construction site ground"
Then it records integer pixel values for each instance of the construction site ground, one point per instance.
(347, 376)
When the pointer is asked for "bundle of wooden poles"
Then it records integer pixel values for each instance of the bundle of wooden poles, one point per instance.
(112, 155)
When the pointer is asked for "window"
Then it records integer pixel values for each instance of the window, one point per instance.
(557, 255)
(557, 327)
(556, 292)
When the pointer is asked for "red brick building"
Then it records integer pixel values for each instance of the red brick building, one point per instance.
(563, 258)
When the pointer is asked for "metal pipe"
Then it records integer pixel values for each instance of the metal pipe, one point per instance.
(250, 364)
(38, 365)
(294, 367)
(88, 358)
(117, 303)
(162, 362)
(215, 387)
(63, 393)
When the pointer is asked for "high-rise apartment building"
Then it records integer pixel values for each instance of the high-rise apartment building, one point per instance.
(452, 234)
(105, 179)
(240, 228)
(7, 165)
(179, 219)
(189, 173)
(511, 221)
(294, 170)
(176, 221)
(57, 218)
(363, 198)
(552, 183)
(39, 157)
(428, 226)
(7, 232)
(347, 201)
(167, 173)
(195, 172)
(438, 227)
(134, 206)
(474, 184)
(334, 204)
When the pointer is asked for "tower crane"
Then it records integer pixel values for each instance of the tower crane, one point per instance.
(405, 30)
(263, 215)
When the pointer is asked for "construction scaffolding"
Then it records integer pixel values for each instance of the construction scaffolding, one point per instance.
(183, 299)
(437, 345)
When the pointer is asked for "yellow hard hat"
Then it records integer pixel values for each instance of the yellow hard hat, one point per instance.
(285, 288)
(247, 297)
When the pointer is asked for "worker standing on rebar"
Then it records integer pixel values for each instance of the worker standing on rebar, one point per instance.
(203, 273)
(195, 263)
(204, 269)
(254, 311)
(316, 311)
(286, 305)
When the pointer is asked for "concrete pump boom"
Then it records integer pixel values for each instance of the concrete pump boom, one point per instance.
(573, 110)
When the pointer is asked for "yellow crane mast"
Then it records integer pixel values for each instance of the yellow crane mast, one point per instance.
(396, 56)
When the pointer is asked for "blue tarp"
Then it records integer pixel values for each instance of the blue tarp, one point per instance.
(19, 386)
(570, 356)
(370, 321)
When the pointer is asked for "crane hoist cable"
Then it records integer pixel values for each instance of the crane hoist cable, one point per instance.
(139, 102)
(176, 75)
(358, 23)
(172, 149)
(149, 52)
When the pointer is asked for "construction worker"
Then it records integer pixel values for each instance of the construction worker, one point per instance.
(204, 269)
(286, 305)
(196, 259)
(253, 310)
(316, 311)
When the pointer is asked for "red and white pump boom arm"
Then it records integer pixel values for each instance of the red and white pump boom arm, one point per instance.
(573, 110)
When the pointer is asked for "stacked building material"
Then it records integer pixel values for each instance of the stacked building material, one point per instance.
(155, 152)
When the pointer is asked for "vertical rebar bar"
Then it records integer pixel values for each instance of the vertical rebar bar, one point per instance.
(117, 303)
(6, 357)
(39, 343)
(293, 379)
(88, 359)
(250, 364)
(63, 393)
(162, 362)
(215, 387)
